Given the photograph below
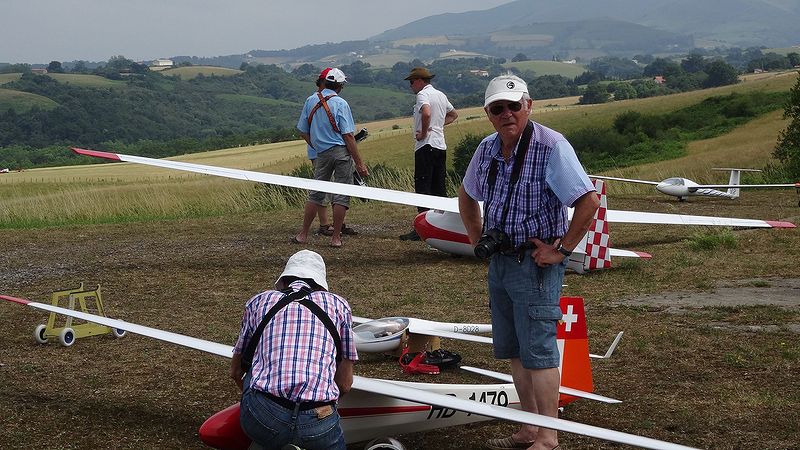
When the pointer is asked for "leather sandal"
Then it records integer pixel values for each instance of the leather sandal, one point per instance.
(506, 443)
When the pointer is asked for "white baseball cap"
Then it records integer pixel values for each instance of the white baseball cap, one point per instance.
(304, 264)
(336, 75)
(505, 87)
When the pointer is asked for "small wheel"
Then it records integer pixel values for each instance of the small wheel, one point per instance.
(117, 332)
(66, 337)
(38, 334)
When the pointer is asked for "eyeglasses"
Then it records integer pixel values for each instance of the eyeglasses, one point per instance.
(497, 108)
(411, 81)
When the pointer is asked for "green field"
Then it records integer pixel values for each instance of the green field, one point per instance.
(548, 68)
(190, 72)
(9, 77)
(85, 80)
(23, 101)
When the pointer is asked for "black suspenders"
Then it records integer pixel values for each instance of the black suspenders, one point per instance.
(291, 296)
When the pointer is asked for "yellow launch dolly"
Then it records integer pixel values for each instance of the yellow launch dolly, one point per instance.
(88, 301)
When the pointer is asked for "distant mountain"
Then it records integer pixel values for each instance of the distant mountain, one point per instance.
(724, 22)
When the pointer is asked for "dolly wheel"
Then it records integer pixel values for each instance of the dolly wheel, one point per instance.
(67, 337)
(117, 332)
(38, 334)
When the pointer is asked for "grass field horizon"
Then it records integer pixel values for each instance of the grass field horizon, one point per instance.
(32, 198)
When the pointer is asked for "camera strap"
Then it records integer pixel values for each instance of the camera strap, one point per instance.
(522, 150)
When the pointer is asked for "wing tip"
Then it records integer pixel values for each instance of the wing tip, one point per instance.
(96, 153)
(21, 301)
(779, 224)
(643, 255)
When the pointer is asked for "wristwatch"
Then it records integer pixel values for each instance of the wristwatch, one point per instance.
(563, 250)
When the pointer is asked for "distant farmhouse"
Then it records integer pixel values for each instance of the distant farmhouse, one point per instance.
(161, 64)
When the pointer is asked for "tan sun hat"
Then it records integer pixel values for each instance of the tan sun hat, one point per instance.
(305, 264)
(419, 72)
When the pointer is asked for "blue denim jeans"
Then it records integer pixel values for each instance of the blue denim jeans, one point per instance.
(525, 299)
(272, 426)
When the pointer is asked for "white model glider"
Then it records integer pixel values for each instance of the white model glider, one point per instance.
(684, 187)
(377, 407)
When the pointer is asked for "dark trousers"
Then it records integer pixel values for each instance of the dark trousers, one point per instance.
(430, 172)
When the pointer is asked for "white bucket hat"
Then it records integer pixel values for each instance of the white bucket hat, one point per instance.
(505, 87)
(305, 264)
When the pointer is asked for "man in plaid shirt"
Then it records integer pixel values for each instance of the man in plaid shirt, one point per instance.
(527, 175)
(289, 393)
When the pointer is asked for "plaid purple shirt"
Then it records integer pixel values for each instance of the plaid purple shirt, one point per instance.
(551, 179)
(297, 357)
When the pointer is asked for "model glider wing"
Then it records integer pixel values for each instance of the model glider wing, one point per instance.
(736, 186)
(629, 180)
(382, 387)
(450, 330)
(408, 198)
(373, 193)
(615, 215)
(563, 389)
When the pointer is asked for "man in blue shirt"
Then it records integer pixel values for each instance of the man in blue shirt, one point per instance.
(527, 175)
(326, 124)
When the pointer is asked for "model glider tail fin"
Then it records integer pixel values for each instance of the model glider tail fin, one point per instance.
(576, 371)
(597, 240)
(736, 178)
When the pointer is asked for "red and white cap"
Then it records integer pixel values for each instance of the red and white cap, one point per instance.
(335, 75)
(324, 73)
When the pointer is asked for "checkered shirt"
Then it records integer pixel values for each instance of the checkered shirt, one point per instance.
(296, 358)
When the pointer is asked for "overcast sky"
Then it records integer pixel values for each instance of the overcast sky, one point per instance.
(40, 31)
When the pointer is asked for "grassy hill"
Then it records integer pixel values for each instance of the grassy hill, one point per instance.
(9, 77)
(191, 72)
(548, 68)
(22, 102)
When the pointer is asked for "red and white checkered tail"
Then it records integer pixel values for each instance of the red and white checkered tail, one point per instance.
(597, 238)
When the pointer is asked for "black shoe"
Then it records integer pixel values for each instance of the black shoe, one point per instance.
(348, 231)
(412, 236)
(441, 358)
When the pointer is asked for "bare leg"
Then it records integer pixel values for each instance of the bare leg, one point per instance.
(538, 393)
(524, 384)
(309, 212)
(322, 213)
(545, 390)
(339, 212)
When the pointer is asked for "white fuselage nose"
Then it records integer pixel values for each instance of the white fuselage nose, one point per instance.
(678, 187)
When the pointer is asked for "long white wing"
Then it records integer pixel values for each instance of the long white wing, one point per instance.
(629, 180)
(373, 193)
(728, 186)
(563, 389)
(409, 198)
(382, 387)
(615, 215)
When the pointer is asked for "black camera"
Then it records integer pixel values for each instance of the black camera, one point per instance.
(491, 242)
(361, 135)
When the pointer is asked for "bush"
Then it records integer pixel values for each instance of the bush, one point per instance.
(462, 153)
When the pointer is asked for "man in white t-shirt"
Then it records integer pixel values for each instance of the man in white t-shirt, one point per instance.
(432, 112)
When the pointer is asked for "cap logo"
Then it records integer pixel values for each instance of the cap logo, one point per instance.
(510, 85)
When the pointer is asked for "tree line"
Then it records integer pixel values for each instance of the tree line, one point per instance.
(151, 114)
